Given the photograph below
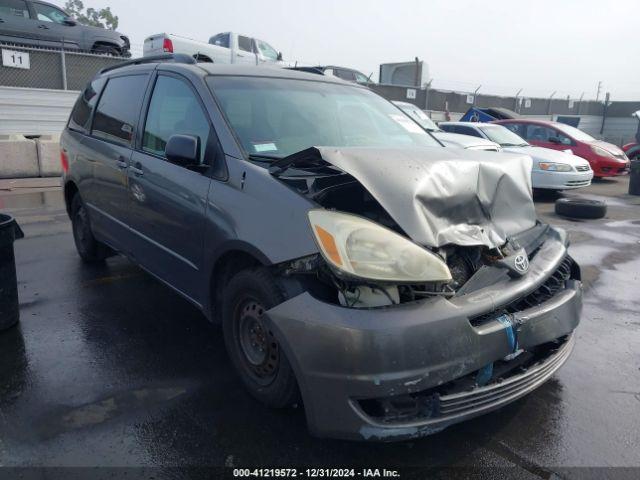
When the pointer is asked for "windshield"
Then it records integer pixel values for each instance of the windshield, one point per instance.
(277, 117)
(502, 136)
(419, 116)
(575, 133)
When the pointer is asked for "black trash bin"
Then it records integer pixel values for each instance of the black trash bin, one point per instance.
(634, 181)
(9, 306)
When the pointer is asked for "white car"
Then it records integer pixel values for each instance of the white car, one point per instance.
(447, 139)
(226, 47)
(552, 169)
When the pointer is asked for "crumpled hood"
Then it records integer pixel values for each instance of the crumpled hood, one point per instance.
(541, 154)
(441, 196)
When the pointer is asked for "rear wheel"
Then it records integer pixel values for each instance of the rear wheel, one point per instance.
(89, 249)
(253, 348)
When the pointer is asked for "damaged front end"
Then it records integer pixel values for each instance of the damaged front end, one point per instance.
(436, 295)
(398, 225)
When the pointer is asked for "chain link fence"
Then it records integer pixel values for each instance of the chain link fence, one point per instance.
(32, 67)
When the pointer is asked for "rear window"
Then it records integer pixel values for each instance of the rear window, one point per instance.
(118, 109)
(81, 113)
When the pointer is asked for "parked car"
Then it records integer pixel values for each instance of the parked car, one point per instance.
(552, 170)
(344, 73)
(632, 149)
(605, 159)
(447, 139)
(227, 47)
(41, 24)
(341, 274)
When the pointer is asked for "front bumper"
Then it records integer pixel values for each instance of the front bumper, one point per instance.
(607, 167)
(560, 180)
(343, 356)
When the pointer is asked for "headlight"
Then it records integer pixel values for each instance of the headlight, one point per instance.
(555, 167)
(601, 151)
(363, 249)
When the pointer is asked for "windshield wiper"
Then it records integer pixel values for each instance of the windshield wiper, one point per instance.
(307, 158)
(262, 158)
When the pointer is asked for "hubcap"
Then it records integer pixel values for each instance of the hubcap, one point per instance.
(257, 342)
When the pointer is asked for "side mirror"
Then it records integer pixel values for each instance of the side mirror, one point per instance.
(183, 150)
(555, 140)
(71, 22)
(279, 58)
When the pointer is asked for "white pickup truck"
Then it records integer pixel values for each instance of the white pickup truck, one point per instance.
(224, 47)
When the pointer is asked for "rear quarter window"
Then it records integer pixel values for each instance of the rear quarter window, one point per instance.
(81, 113)
(118, 109)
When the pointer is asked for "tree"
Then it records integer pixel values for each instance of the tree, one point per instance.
(102, 18)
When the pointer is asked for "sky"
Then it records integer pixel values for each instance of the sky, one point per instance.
(540, 46)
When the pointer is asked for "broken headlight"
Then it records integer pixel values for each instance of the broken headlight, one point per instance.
(360, 248)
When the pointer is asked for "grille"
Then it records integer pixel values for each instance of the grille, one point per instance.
(556, 282)
(583, 168)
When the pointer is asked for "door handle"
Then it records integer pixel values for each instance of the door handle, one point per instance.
(122, 163)
(44, 27)
(136, 171)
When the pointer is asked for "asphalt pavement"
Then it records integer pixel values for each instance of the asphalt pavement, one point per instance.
(109, 368)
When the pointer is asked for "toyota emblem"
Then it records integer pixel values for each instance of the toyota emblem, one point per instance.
(521, 263)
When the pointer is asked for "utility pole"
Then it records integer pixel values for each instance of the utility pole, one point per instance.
(426, 94)
(599, 90)
(604, 112)
(580, 102)
(475, 95)
(549, 106)
(515, 104)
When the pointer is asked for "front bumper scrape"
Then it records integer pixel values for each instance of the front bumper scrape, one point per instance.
(343, 356)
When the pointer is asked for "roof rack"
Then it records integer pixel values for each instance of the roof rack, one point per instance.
(165, 57)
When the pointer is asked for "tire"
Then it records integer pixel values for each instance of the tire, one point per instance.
(581, 208)
(89, 249)
(254, 351)
(106, 50)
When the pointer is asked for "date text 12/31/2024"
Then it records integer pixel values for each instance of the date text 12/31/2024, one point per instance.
(315, 473)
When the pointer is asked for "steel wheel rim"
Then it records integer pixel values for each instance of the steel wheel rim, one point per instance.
(258, 346)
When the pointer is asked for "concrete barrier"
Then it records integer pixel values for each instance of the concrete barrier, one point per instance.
(18, 157)
(48, 147)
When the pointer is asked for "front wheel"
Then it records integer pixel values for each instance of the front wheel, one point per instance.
(254, 350)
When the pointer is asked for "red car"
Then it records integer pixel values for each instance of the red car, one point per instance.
(606, 159)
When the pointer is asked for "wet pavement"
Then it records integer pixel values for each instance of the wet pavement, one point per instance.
(110, 368)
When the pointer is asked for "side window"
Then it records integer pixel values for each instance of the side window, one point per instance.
(360, 78)
(564, 140)
(267, 50)
(539, 133)
(48, 13)
(517, 128)
(15, 8)
(244, 44)
(221, 40)
(118, 109)
(81, 113)
(345, 74)
(174, 109)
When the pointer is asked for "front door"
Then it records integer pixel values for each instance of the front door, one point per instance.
(108, 152)
(54, 32)
(168, 201)
(16, 25)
